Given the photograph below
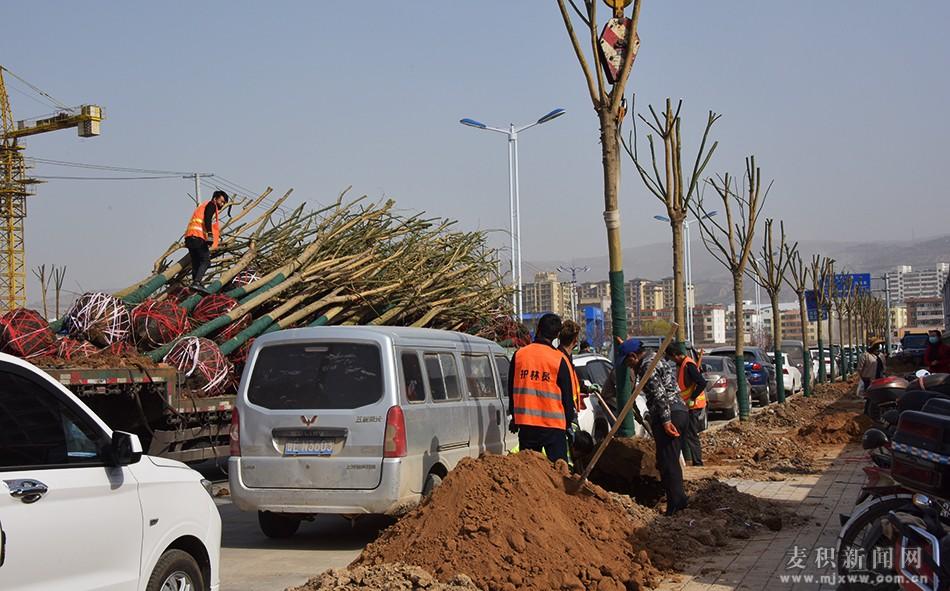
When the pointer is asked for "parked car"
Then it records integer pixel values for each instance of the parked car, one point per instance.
(759, 370)
(814, 361)
(593, 369)
(796, 356)
(913, 346)
(723, 385)
(82, 508)
(791, 376)
(360, 419)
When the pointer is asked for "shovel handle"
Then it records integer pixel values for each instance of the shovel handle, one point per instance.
(630, 402)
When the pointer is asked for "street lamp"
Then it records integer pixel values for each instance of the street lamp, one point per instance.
(514, 197)
(689, 268)
(573, 271)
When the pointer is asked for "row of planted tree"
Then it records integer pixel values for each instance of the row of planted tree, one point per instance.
(729, 236)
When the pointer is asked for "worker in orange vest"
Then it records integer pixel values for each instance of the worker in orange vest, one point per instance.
(540, 392)
(692, 386)
(203, 235)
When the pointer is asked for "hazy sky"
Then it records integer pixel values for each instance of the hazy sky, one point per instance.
(844, 104)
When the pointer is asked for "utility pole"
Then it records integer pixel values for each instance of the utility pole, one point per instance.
(198, 176)
(887, 304)
(573, 271)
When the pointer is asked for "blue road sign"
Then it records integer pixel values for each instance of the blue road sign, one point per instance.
(812, 306)
(860, 282)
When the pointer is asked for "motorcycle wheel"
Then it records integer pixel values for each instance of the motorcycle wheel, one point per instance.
(860, 536)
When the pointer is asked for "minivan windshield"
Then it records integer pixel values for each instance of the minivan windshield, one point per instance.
(316, 376)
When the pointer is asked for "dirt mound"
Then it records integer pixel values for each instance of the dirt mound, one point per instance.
(716, 515)
(837, 428)
(391, 577)
(755, 449)
(628, 467)
(509, 523)
(98, 361)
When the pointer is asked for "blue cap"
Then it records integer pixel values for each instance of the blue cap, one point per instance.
(630, 346)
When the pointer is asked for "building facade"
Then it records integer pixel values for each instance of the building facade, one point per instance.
(925, 313)
(905, 283)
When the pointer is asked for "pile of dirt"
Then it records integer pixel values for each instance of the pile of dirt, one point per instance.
(628, 467)
(837, 428)
(98, 361)
(717, 515)
(509, 522)
(753, 449)
(388, 577)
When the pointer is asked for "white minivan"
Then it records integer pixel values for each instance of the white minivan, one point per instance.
(81, 507)
(357, 420)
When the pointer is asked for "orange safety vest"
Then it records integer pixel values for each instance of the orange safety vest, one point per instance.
(575, 383)
(537, 397)
(196, 226)
(687, 392)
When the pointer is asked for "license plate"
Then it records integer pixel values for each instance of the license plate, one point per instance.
(309, 447)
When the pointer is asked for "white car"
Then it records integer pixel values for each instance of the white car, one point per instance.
(791, 375)
(82, 508)
(592, 417)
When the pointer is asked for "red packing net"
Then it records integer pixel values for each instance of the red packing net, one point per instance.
(212, 306)
(206, 369)
(239, 356)
(158, 322)
(72, 349)
(120, 349)
(245, 277)
(231, 330)
(26, 334)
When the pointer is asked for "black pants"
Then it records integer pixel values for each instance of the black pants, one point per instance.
(668, 460)
(552, 441)
(693, 450)
(200, 257)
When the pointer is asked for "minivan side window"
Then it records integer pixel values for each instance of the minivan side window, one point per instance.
(503, 365)
(478, 376)
(443, 376)
(413, 381)
(37, 430)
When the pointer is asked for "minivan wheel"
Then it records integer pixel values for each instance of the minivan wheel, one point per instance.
(176, 571)
(276, 525)
(433, 481)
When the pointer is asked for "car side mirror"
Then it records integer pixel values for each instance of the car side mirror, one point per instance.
(125, 448)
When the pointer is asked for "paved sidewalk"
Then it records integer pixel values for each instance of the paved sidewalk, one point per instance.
(800, 558)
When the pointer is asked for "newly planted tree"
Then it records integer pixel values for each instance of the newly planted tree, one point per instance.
(797, 279)
(769, 272)
(606, 94)
(820, 268)
(668, 186)
(730, 243)
(839, 300)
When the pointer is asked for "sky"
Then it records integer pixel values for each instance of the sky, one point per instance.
(843, 103)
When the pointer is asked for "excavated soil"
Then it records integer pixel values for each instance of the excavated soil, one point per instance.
(97, 361)
(628, 467)
(787, 439)
(388, 577)
(510, 523)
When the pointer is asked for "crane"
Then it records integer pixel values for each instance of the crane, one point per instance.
(16, 185)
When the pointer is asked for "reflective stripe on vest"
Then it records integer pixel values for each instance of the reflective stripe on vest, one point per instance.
(537, 397)
(687, 392)
(196, 225)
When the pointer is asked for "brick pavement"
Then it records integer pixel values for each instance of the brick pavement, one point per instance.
(770, 560)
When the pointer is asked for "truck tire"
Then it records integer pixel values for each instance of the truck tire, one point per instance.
(176, 569)
(277, 525)
(433, 481)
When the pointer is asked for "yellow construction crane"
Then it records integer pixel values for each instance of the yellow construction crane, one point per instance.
(16, 186)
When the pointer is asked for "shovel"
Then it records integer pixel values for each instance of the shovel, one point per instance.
(576, 487)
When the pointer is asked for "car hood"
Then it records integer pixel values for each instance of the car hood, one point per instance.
(167, 463)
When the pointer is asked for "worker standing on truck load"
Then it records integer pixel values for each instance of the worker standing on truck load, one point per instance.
(668, 418)
(692, 388)
(540, 392)
(202, 236)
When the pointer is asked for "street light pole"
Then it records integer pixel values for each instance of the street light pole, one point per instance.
(514, 198)
(688, 270)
